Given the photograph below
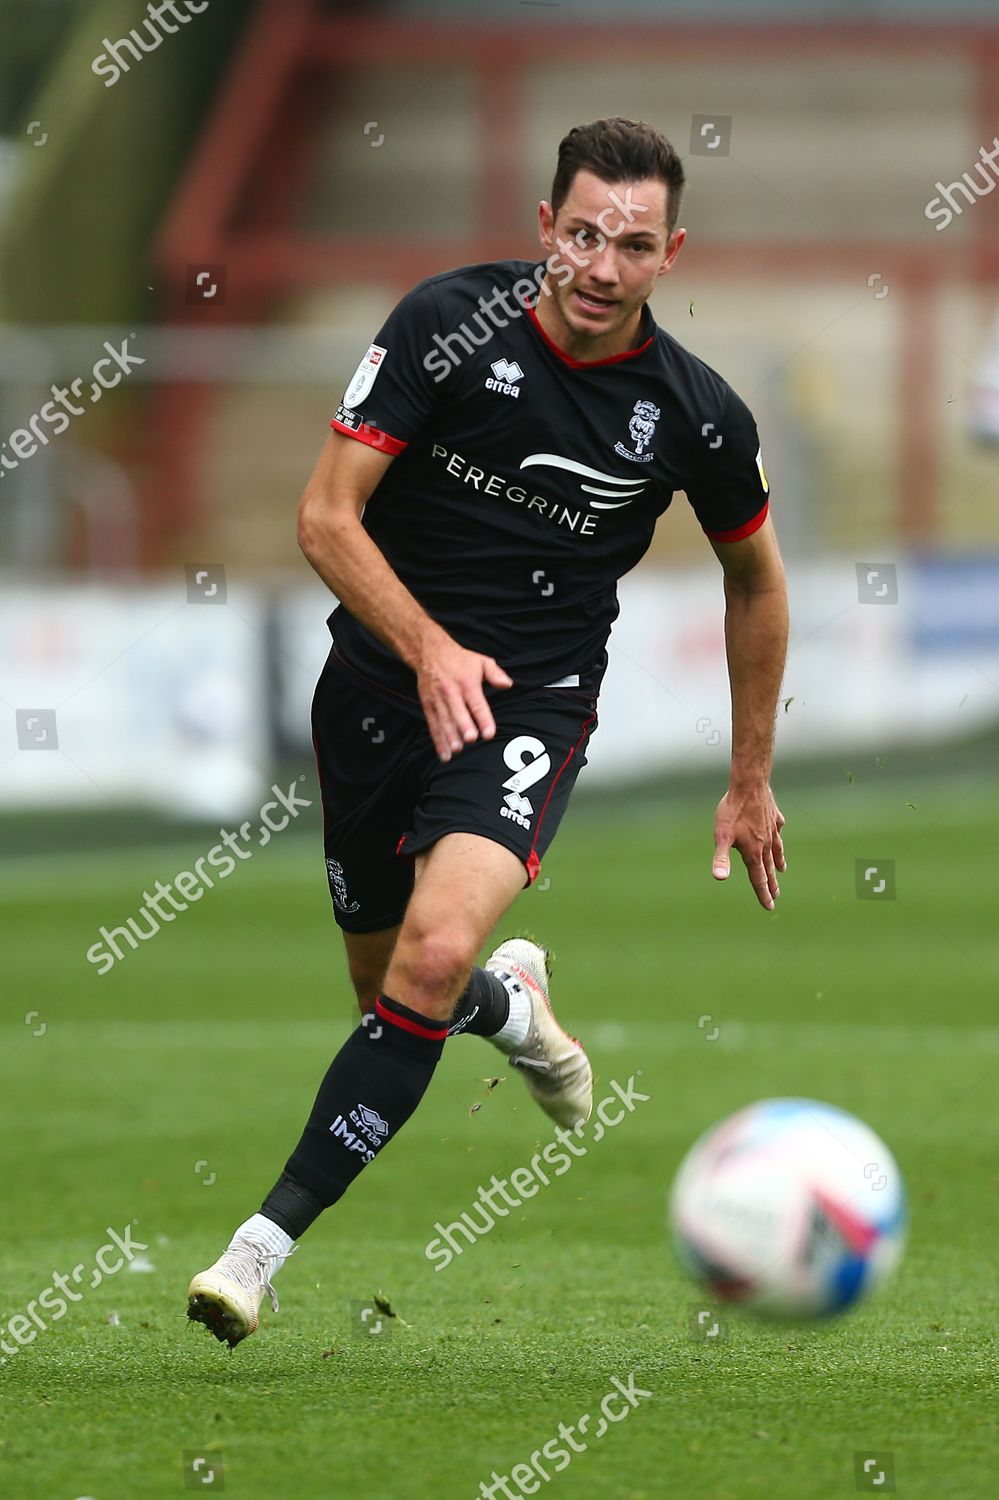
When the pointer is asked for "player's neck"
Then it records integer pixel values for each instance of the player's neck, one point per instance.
(585, 348)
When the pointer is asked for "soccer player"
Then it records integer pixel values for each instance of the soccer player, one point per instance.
(499, 460)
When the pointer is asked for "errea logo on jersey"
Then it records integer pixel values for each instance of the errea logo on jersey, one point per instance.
(504, 377)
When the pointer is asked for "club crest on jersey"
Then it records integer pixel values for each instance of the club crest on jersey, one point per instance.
(642, 429)
(364, 376)
(504, 377)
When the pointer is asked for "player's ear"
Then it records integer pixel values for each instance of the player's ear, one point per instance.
(673, 247)
(546, 224)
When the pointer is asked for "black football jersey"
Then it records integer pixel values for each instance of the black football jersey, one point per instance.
(526, 483)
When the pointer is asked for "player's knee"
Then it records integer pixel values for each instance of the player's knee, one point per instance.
(430, 963)
(435, 959)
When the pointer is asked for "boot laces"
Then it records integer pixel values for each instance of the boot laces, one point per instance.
(251, 1265)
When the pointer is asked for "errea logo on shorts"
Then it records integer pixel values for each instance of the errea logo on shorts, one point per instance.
(517, 808)
(504, 377)
(527, 758)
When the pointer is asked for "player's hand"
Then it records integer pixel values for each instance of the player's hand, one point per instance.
(449, 681)
(749, 820)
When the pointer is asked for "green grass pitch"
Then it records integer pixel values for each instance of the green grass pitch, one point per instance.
(169, 1092)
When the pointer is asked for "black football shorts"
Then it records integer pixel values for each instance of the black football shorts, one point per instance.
(386, 796)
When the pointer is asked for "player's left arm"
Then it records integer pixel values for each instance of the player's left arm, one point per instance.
(756, 627)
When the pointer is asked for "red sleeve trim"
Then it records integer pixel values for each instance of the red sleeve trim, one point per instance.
(738, 532)
(372, 437)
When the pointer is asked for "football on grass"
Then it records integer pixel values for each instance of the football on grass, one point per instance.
(790, 1207)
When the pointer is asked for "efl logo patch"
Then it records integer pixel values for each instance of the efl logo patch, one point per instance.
(365, 376)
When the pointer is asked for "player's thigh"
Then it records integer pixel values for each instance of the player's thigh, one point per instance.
(466, 880)
(466, 884)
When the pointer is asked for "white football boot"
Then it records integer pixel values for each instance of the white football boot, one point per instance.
(554, 1066)
(227, 1297)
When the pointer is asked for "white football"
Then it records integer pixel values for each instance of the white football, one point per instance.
(790, 1207)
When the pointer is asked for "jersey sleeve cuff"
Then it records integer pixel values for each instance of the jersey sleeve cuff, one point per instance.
(372, 436)
(738, 532)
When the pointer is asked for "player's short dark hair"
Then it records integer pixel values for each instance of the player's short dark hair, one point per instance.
(617, 150)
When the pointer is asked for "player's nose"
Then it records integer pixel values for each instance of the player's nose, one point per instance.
(602, 269)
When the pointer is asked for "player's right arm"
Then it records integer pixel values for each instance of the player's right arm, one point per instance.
(330, 533)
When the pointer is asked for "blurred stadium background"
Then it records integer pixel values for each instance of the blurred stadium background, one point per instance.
(239, 209)
(248, 200)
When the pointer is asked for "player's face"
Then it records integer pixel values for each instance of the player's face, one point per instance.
(611, 245)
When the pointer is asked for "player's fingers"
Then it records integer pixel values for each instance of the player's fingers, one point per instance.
(722, 862)
(777, 845)
(460, 726)
(756, 870)
(495, 674)
(773, 884)
(778, 842)
(481, 712)
(441, 726)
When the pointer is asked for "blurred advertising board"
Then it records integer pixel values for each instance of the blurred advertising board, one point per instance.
(148, 698)
(122, 696)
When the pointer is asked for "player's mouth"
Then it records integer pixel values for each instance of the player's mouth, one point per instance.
(593, 304)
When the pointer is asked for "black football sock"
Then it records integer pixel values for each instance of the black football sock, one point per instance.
(370, 1090)
(483, 1007)
(291, 1206)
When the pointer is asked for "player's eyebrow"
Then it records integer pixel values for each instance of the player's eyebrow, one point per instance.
(636, 234)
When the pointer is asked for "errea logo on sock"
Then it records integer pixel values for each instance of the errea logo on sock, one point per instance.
(369, 1120)
(369, 1131)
